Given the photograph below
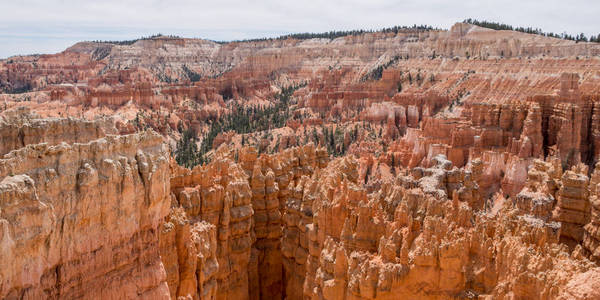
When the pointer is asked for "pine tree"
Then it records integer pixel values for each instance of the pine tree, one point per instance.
(186, 153)
(331, 141)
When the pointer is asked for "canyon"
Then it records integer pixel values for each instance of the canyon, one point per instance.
(413, 163)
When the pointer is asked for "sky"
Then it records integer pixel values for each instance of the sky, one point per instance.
(50, 26)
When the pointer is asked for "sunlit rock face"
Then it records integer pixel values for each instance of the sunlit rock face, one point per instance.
(423, 164)
(81, 220)
(427, 233)
(292, 225)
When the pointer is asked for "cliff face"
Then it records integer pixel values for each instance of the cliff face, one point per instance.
(111, 218)
(168, 58)
(591, 238)
(421, 235)
(243, 260)
(217, 198)
(410, 240)
(478, 87)
(490, 65)
(21, 127)
(81, 220)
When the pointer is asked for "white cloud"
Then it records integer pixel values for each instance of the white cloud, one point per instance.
(38, 26)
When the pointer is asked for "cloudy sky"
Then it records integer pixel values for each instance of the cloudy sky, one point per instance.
(50, 26)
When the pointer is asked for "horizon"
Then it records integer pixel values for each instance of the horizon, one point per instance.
(47, 27)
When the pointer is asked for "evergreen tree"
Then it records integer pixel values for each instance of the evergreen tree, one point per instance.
(315, 136)
(186, 153)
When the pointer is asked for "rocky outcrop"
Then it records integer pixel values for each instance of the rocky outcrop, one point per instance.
(20, 127)
(591, 235)
(267, 268)
(462, 169)
(287, 225)
(188, 253)
(82, 220)
(422, 70)
(223, 238)
(573, 206)
(409, 240)
(537, 198)
(211, 204)
(273, 180)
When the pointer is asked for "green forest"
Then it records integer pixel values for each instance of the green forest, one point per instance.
(242, 120)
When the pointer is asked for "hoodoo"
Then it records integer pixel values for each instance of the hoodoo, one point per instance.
(405, 163)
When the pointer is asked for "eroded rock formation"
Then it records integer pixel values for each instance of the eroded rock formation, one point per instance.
(287, 225)
(418, 164)
(82, 220)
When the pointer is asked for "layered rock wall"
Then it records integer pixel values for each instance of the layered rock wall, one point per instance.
(591, 236)
(409, 241)
(81, 220)
(236, 211)
(215, 196)
(20, 127)
(463, 171)
(573, 209)
(287, 225)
